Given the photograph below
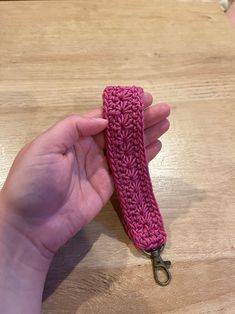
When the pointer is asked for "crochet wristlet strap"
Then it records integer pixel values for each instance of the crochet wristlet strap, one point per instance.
(124, 138)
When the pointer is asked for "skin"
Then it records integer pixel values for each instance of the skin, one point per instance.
(231, 14)
(56, 185)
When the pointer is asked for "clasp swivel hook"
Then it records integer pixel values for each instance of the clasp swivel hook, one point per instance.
(159, 265)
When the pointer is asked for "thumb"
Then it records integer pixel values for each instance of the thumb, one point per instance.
(64, 134)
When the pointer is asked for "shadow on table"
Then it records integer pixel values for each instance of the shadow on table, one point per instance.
(89, 281)
(175, 197)
(73, 252)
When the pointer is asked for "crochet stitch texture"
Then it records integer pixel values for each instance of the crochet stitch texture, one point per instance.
(124, 138)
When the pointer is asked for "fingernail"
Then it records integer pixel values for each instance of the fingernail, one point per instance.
(100, 120)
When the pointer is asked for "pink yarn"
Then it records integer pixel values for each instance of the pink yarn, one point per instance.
(124, 137)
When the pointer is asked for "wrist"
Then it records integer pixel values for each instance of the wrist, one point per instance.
(23, 270)
(16, 240)
(20, 251)
(19, 255)
(18, 266)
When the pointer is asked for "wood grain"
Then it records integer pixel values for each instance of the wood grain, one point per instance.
(55, 59)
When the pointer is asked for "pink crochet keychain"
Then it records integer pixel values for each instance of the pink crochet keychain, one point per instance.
(124, 138)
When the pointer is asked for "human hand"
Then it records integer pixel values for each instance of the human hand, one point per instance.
(60, 181)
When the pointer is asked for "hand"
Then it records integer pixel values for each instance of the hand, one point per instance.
(56, 184)
(60, 181)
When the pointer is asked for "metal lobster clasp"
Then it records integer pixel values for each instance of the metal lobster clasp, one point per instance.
(160, 267)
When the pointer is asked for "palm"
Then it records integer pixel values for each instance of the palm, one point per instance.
(63, 192)
(88, 189)
(79, 185)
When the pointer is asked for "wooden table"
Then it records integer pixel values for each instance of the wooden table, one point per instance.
(55, 59)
